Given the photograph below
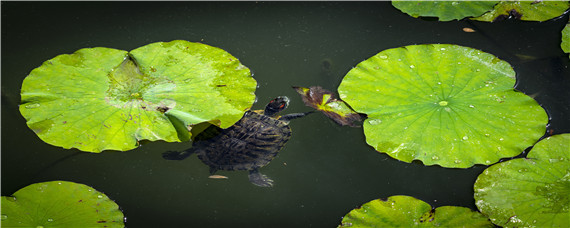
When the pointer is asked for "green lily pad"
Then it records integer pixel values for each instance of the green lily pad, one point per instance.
(529, 192)
(565, 45)
(442, 104)
(444, 10)
(407, 211)
(525, 10)
(323, 100)
(60, 204)
(106, 99)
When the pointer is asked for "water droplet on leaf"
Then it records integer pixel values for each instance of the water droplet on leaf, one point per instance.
(33, 106)
(374, 121)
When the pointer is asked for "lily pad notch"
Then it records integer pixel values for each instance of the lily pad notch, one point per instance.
(107, 99)
(442, 104)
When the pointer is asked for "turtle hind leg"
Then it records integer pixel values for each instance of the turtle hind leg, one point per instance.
(177, 155)
(256, 178)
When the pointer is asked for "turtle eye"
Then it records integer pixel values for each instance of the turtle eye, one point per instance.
(282, 105)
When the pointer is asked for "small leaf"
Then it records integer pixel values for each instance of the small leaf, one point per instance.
(105, 99)
(442, 104)
(323, 100)
(60, 204)
(529, 192)
(407, 211)
(444, 10)
(525, 10)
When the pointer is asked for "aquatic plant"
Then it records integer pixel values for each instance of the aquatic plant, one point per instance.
(60, 204)
(525, 10)
(442, 104)
(107, 99)
(529, 192)
(489, 11)
(445, 10)
(407, 211)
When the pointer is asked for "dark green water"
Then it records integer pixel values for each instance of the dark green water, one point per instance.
(325, 170)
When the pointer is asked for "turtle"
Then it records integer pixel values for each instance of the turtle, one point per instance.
(249, 144)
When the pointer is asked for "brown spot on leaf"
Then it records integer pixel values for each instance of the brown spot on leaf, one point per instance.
(510, 14)
(162, 108)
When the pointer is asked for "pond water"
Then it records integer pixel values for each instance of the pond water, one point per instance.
(325, 170)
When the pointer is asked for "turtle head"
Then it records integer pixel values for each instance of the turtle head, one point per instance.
(276, 105)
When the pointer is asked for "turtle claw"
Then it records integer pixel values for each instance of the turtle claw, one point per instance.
(261, 180)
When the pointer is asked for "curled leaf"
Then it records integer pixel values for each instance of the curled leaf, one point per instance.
(323, 100)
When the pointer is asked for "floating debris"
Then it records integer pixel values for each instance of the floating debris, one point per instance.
(217, 177)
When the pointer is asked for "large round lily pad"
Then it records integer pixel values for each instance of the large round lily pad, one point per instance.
(529, 192)
(106, 99)
(407, 211)
(526, 10)
(60, 204)
(442, 104)
(445, 10)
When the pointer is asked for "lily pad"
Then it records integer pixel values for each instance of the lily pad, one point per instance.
(525, 10)
(407, 211)
(565, 45)
(106, 99)
(445, 10)
(323, 100)
(60, 204)
(442, 104)
(529, 192)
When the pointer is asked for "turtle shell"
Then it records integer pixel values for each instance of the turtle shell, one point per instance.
(250, 143)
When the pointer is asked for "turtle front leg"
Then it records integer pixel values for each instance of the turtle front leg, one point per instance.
(291, 116)
(256, 178)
